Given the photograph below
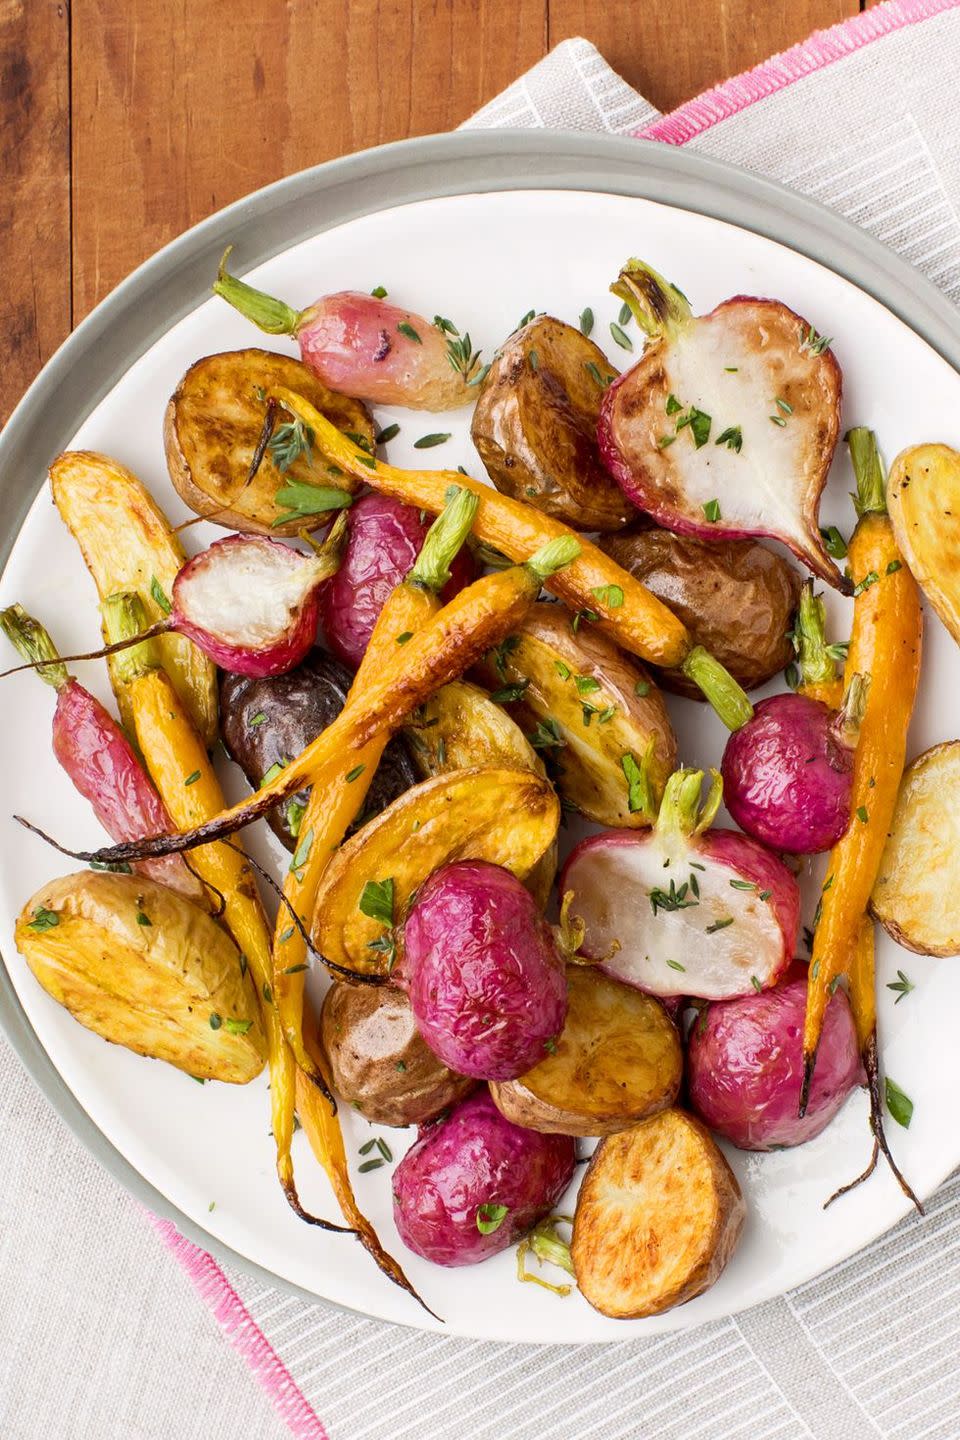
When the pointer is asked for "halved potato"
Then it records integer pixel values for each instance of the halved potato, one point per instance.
(211, 429)
(378, 1062)
(145, 968)
(592, 710)
(128, 544)
(509, 817)
(923, 499)
(917, 894)
(535, 426)
(658, 1216)
(617, 1060)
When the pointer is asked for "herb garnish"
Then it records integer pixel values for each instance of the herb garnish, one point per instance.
(639, 798)
(547, 735)
(193, 778)
(863, 815)
(257, 719)
(379, 293)
(490, 1217)
(143, 918)
(833, 542)
(215, 1020)
(711, 510)
(894, 566)
(277, 768)
(672, 899)
(289, 442)
(369, 1165)
(526, 319)
(781, 404)
(732, 437)
(699, 422)
(899, 1104)
(756, 984)
(664, 441)
(404, 636)
(586, 321)
(376, 901)
(407, 329)
(156, 590)
(562, 669)
(673, 406)
(901, 986)
(719, 925)
(609, 595)
(586, 684)
(44, 919)
(743, 884)
(301, 499)
(602, 380)
(238, 1027)
(869, 579)
(642, 688)
(509, 693)
(302, 852)
(355, 773)
(427, 442)
(814, 343)
(777, 420)
(620, 336)
(389, 432)
(500, 653)
(589, 615)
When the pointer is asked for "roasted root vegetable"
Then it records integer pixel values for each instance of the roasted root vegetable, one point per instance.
(483, 972)
(144, 968)
(885, 644)
(727, 425)
(592, 584)
(923, 498)
(127, 544)
(736, 598)
(265, 722)
(508, 817)
(460, 727)
(473, 1184)
(535, 425)
(384, 538)
(745, 1065)
(378, 1061)
(99, 758)
(593, 711)
(213, 434)
(363, 346)
(914, 896)
(616, 1061)
(658, 1216)
(682, 909)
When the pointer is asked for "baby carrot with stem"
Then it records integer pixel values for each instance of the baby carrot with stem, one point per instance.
(593, 583)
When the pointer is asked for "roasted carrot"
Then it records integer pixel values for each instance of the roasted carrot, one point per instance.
(475, 620)
(180, 768)
(340, 788)
(885, 647)
(593, 584)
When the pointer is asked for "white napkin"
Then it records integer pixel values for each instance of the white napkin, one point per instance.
(101, 1335)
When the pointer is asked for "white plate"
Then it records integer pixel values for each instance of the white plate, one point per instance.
(483, 260)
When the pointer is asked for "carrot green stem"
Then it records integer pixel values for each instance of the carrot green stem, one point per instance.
(125, 620)
(444, 540)
(660, 309)
(871, 496)
(273, 316)
(726, 696)
(33, 642)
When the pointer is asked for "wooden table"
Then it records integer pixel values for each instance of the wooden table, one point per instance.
(122, 122)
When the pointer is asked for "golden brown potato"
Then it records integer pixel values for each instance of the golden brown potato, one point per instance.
(591, 710)
(509, 817)
(128, 544)
(535, 426)
(617, 1060)
(658, 1216)
(917, 894)
(378, 1062)
(211, 429)
(145, 968)
(923, 499)
(736, 598)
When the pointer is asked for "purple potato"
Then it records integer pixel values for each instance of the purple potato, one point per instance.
(787, 775)
(477, 1169)
(384, 540)
(745, 1065)
(486, 982)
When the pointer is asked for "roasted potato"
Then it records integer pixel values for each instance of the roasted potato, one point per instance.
(213, 423)
(617, 1060)
(378, 1062)
(128, 544)
(267, 722)
(588, 707)
(915, 897)
(509, 817)
(145, 968)
(535, 426)
(658, 1216)
(736, 598)
(923, 501)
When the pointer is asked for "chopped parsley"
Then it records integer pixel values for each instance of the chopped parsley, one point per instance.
(490, 1217)
(407, 329)
(711, 511)
(376, 900)
(732, 437)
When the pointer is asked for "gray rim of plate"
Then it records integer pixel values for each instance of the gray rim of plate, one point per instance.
(178, 278)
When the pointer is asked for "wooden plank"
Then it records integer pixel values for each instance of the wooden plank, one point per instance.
(672, 49)
(35, 194)
(184, 105)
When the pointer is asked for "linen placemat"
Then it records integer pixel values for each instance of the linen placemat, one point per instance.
(101, 1335)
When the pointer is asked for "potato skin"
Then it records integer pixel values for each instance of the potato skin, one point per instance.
(617, 1060)
(735, 597)
(211, 428)
(658, 1216)
(535, 426)
(378, 1062)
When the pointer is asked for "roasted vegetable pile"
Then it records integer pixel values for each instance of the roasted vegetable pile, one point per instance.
(453, 694)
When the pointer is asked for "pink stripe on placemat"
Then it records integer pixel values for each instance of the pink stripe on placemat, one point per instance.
(244, 1333)
(823, 48)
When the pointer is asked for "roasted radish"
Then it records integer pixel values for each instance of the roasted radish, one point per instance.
(681, 909)
(727, 425)
(364, 347)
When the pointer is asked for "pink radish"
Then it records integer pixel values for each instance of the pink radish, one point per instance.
(681, 909)
(362, 346)
(727, 424)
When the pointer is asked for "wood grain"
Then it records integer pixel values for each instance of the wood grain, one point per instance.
(122, 122)
(35, 191)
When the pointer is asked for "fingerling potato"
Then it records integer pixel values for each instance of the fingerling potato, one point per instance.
(535, 426)
(616, 1061)
(211, 428)
(658, 1216)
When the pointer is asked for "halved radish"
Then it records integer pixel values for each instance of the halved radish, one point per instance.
(674, 910)
(728, 423)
